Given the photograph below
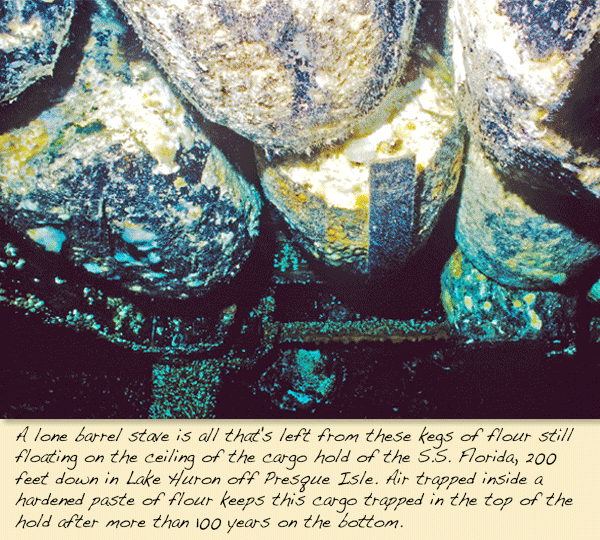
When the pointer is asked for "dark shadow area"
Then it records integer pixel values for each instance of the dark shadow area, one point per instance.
(53, 372)
(431, 24)
(578, 119)
(513, 380)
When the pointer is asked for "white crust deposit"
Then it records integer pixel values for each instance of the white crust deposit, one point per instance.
(288, 74)
(326, 197)
(544, 75)
(520, 67)
(120, 178)
(31, 38)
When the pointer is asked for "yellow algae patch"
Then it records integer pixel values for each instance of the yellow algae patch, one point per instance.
(456, 265)
(301, 197)
(512, 263)
(17, 149)
(517, 303)
(469, 303)
(536, 322)
(447, 301)
(179, 182)
(529, 298)
(334, 234)
(362, 202)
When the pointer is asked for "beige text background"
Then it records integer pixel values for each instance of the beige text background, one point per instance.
(402, 508)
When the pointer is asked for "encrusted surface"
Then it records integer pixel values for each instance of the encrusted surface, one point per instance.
(185, 391)
(42, 287)
(480, 309)
(284, 73)
(301, 379)
(120, 178)
(522, 82)
(327, 199)
(508, 240)
(32, 34)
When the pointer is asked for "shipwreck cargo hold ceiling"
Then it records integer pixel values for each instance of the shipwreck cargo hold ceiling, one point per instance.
(303, 209)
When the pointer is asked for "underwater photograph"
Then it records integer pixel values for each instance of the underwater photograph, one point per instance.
(300, 209)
